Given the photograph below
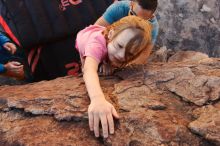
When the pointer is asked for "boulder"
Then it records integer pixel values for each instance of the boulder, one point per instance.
(165, 104)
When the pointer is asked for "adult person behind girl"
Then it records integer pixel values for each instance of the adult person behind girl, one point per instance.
(142, 8)
(117, 45)
(9, 68)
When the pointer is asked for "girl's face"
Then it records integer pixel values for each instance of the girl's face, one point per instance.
(117, 46)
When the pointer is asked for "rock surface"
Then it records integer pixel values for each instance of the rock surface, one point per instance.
(207, 123)
(165, 104)
(190, 25)
(10, 81)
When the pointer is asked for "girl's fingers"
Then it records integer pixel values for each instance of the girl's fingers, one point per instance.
(110, 123)
(114, 113)
(104, 126)
(91, 121)
(96, 125)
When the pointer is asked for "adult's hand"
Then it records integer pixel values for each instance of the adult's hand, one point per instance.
(10, 47)
(14, 69)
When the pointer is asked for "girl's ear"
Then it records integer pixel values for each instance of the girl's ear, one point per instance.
(110, 34)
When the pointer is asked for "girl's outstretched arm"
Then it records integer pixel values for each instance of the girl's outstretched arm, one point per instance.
(99, 109)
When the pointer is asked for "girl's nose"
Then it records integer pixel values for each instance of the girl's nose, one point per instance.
(121, 55)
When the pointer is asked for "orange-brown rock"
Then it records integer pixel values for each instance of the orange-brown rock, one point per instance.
(160, 104)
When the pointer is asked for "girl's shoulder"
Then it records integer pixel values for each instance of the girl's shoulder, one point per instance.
(94, 28)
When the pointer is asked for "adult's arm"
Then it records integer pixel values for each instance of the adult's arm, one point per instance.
(3, 39)
(113, 13)
(101, 21)
(2, 68)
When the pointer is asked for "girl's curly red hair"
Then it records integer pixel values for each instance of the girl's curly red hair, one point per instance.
(137, 48)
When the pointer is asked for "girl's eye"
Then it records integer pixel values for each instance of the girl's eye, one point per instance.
(120, 46)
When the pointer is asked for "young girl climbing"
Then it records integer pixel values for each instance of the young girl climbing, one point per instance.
(123, 43)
